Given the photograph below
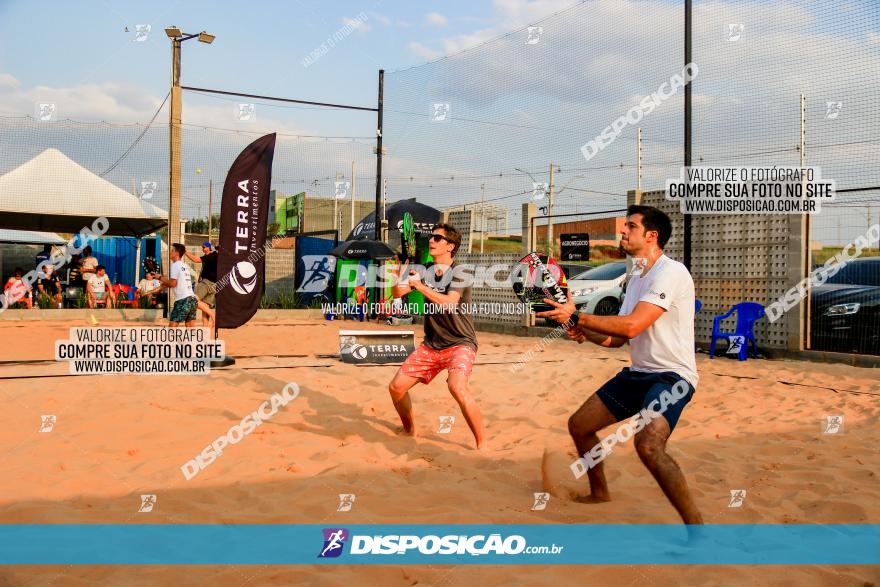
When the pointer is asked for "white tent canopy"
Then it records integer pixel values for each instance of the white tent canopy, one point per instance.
(52, 192)
(29, 237)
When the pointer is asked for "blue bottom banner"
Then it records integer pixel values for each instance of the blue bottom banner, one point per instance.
(519, 544)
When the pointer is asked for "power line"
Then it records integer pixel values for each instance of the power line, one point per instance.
(138, 139)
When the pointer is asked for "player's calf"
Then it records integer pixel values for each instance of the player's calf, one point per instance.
(399, 391)
(458, 388)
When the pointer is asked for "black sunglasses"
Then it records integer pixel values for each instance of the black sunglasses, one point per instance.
(439, 237)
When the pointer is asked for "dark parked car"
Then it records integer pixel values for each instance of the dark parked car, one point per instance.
(846, 309)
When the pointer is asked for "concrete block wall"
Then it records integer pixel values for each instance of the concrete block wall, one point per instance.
(279, 271)
(492, 295)
(279, 268)
(463, 221)
(739, 258)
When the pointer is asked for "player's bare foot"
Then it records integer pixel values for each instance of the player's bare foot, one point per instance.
(593, 498)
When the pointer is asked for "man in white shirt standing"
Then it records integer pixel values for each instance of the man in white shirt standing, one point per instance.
(179, 279)
(657, 319)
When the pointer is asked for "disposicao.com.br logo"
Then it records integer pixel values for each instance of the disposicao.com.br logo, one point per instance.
(334, 540)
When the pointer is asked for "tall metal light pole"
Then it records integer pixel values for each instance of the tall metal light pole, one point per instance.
(351, 228)
(688, 113)
(177, 37)
(550, 242)
(380, 192)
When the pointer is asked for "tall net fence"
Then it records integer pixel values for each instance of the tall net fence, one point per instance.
(485, 126)
(764, 70)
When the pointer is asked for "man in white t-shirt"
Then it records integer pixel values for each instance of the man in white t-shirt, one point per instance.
(99, 289)
(657, 319)
(148, 284)
(179, 279)
(89, 263)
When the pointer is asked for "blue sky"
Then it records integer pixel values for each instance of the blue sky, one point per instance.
(259, 45)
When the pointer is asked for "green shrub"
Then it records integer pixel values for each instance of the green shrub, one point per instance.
(45, 302)
(288, 298)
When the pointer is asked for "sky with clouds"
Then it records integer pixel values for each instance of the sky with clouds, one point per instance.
(513, 104)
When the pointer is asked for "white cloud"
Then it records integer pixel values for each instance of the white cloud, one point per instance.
(873, 38)
(124, 103)
(388, 22)
(424, 52)
(510, 15)
(383, 20)
(8, 81)
(436, 19)
(360, 25)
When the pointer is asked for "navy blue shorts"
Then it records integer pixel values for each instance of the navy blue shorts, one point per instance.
(628, 392)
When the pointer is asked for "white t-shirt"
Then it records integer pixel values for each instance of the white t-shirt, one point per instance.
(98, 283)
(146, 285)
(184, 287)
(668, 344)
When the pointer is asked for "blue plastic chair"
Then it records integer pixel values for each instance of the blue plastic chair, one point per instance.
(698, 306)
(747, 313)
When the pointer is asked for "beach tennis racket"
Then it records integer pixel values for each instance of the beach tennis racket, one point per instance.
(150, 265)
(536, 277)
(408, 237)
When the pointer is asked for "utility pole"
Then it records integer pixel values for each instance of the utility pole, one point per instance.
(688, 112)
(550, 214)
(380, 185)
(807, 253)
(352, 197)
(384, 202)
(177, 37)
(482, 216)
(639, 169)
(210, 206)
(174, 156)
(335, 203)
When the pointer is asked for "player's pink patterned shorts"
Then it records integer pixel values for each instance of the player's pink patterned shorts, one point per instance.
(425, 363)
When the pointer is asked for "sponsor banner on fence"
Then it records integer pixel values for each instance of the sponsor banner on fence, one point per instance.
(376, 346)
(434, 544)
(574, 246)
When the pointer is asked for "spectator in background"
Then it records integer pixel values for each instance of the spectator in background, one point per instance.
(17, 290)
(49, 286)
(205, 289)
(99, 289)
(89, 263)
(44, 255)
(148, 285)
(74, 272)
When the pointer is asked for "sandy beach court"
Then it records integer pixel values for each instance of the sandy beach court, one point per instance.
(756, 426)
